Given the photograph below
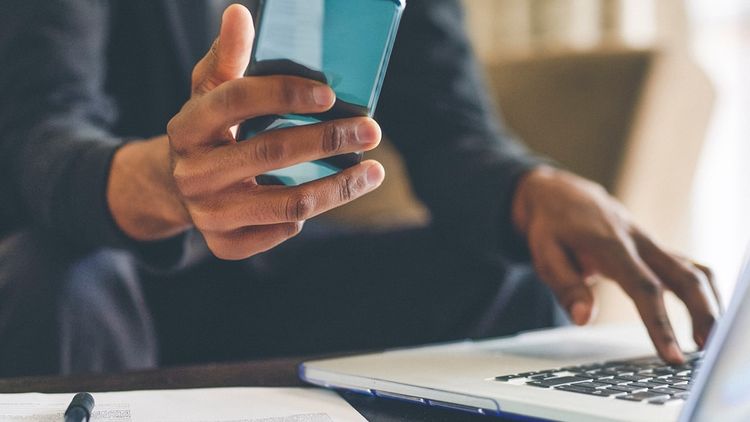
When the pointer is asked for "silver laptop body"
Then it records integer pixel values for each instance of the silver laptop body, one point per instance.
(464, 375)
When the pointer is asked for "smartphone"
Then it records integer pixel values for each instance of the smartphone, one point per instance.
(343, 43)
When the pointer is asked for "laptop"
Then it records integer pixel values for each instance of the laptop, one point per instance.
(597, 373)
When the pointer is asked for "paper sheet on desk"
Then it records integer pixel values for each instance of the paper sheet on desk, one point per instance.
(202, 405)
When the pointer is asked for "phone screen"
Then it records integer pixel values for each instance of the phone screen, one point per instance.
(343, 43)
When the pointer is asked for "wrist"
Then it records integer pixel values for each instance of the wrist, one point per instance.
(525, 196)
(141, 194)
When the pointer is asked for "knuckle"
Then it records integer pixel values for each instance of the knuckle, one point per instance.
(285, 91)
(544, 270)
(175, 134)
(224, 252)
(230, 97)
(691, 279)
(207, 221)
(182, 180)
(661, 321)
(269, 152)
(350, 187)
(215, 244)
(648, 287)
(334, 137)
(189, 184)
(172, 126)
(231, 247)
(607, 240)
(300, 207)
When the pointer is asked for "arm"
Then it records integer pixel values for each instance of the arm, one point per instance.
(73, 178)
(482, 187)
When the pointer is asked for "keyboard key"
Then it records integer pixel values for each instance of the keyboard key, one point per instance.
(677, 380)
(634, 378)
(593, 385)
(646, 384)
(612, 373)
(552, 382)
(528, 374)
(628, 388)
(506, 378)
(665, 370)
(613, 381)
(608, 392)
(537, 384)
(542, 376)
(644, 395)
(682, 387)
(667, 390)
(661, 381)
(574, 389)
(592, 392)
(663, 401)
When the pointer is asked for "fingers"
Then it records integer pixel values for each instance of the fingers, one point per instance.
(559, 272)
(275, 205)
(712, 283)
(248, 241)
(205, 119)
(230, 53)
(223, 166)
(644, 287)
(689, 283)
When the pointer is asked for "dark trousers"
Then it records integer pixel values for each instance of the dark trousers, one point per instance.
(62, 312)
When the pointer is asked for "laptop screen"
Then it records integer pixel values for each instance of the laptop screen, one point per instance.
(723, 386)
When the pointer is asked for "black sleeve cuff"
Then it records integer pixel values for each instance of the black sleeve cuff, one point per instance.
(85, 219)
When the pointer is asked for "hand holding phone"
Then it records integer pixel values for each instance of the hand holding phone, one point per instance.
(213, 177)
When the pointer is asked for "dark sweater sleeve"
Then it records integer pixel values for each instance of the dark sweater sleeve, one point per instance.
(56, 144)
(435, 108)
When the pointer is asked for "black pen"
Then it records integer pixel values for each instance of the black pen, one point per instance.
(80, 408)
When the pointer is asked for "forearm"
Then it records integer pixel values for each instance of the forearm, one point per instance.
(141, 194)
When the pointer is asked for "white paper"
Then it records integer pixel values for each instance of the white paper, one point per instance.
(198, 405)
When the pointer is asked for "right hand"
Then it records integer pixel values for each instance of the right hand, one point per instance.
(213, 174)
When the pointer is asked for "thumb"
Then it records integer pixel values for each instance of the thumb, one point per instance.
(230, 53)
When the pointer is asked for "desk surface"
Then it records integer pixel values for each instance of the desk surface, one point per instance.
(269, 373)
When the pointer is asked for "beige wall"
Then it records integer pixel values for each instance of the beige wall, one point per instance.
(508, 28)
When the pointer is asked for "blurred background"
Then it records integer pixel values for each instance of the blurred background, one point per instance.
(651, 98)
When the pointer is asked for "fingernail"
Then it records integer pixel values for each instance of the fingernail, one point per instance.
(580, 313)
(323, 96)
(367, 133)
(375, 175)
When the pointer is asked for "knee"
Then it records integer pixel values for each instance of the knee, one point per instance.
(66, 311)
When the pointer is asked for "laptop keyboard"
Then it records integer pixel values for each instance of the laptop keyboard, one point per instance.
(640, 380)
